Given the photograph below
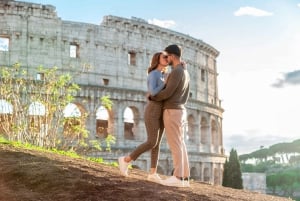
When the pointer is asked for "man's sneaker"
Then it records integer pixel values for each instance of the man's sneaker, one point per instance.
(123, 166)
(174, 181)
(154, 178)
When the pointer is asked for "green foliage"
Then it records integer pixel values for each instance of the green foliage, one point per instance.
(283, 150)
(226, 175)
(281, 164)
(106, 102)
(272, 182)
(100, 160)
(110, 139)
(287, 181)
(232, 175)
(4, 140)
(70, 153)
(248, 167)
(261, 167)
(47, 98)
(95, 144)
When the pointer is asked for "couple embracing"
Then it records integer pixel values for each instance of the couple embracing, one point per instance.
(165, 110)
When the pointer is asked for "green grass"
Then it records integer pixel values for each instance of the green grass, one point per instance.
(70, 153)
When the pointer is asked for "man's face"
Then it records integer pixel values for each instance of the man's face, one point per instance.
(170, 59)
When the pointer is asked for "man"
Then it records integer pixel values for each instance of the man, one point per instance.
(175, 96)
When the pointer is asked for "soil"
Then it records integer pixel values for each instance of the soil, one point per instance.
(27, 175)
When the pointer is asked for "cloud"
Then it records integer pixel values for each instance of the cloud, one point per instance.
(290, 78)
(252, 12)
(298, 5)
(162, 23)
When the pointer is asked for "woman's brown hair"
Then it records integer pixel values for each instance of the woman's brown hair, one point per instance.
(154, 62)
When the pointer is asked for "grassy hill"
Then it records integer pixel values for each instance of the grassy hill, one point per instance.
(30, 175)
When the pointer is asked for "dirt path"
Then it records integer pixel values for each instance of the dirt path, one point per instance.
(27, 175)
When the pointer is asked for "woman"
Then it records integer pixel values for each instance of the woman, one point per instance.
(153, 118)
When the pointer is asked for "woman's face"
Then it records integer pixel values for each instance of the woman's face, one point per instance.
(163, 60)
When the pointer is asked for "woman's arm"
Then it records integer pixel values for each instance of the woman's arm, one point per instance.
(155, 83)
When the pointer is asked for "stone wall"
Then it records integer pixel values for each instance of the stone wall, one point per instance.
(111, 59)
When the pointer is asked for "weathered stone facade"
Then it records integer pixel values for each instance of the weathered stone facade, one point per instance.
(111, 60)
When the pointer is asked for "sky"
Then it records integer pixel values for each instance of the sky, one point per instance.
(258, 65)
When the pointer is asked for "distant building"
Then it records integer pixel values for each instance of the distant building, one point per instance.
(255, 182)
(111, 59)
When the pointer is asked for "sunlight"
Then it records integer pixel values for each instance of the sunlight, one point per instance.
(4, 42)
(102, 113)
(5, 107)
(37, 108)
(71, 110)
(128, 115)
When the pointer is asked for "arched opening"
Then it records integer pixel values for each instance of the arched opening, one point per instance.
(220, 141)
(74, 120)
(194, 174)
(191, 128)
(204, 130)
(102, 117)
(37, 123)
(206, 174)
(214, 133)
(128, 123)
(6, 111)
(216, 176)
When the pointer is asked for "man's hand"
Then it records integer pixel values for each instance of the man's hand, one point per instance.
(148, 96)
(183, 63)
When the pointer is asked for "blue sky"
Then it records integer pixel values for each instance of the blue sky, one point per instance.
(259, 62)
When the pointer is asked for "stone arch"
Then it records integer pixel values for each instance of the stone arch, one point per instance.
(6, 113)
(214, 133)
(5, 107)
(193, 173)
(37, 124)
(206, 174)
(74, 115)
(72, 110)
(131, 120)
(221, 175)
(204, 130)
(220, 134)
(102, 121)
(191, 128)
(216, 176)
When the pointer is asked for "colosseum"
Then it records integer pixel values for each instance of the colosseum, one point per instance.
(118, 52)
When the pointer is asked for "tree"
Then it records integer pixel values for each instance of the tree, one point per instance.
(282, 150)
(225, 181)
(232, 175)
(32, 110)
(273, 182)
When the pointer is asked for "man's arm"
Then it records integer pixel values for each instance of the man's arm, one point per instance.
(171, 85)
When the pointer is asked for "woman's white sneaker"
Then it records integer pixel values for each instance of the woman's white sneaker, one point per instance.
(154, 178)
(123, 166)
(174, 181)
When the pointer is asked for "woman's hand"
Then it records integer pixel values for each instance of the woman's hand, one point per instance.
(183, 63)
